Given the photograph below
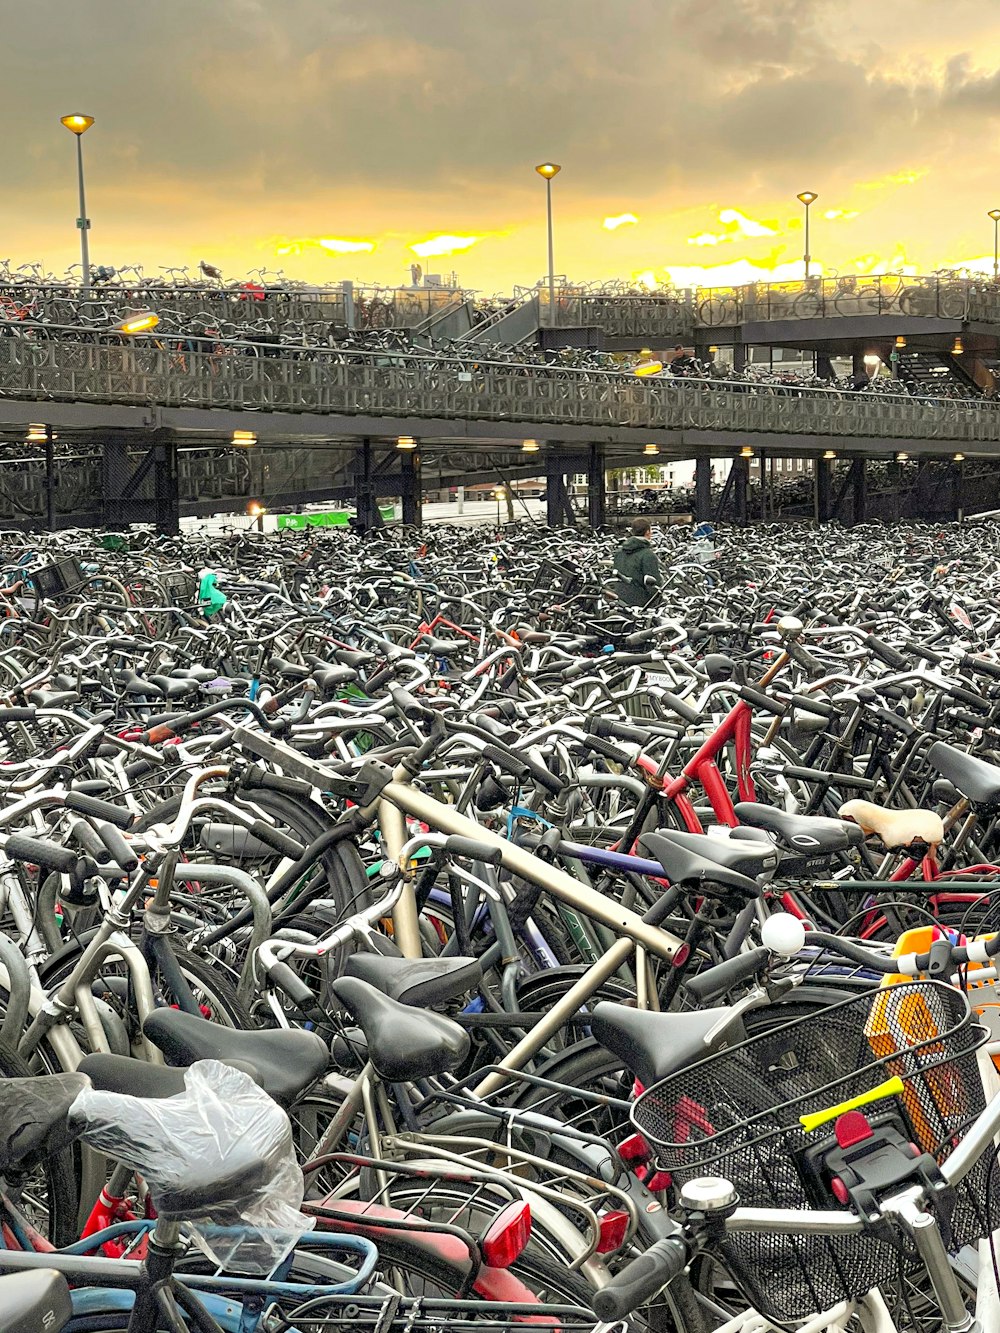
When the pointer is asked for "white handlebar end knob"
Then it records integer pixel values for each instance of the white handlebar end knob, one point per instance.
(783, 934)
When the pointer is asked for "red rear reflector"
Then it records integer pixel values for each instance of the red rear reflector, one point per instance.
(852, 1128)
(681, 956)
(839, 1190)
(614, 1226)
(504, 1239)
(634, 1150)
(659, 1180)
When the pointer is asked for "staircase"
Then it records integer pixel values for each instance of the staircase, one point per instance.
(508, 328)
(934, 374)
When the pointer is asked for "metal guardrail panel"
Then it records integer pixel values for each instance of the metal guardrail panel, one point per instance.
(466, 389)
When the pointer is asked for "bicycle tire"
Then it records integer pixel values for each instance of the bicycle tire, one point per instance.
(219, 996)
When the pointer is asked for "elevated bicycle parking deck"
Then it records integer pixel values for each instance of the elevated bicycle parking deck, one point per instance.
(329, 393)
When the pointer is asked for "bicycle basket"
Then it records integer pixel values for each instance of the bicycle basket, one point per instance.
(736, 1115)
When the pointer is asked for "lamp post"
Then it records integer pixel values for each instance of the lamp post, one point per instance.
(548, 170)
(994, 213)
(806, 198)
(79, 125)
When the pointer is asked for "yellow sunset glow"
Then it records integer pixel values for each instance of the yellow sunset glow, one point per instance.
(444, 245)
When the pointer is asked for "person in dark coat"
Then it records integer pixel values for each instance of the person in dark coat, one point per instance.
(635, 563)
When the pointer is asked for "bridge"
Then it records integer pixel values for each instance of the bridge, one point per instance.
(332, 420)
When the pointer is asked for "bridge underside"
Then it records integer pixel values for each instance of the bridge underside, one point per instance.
(103, 465)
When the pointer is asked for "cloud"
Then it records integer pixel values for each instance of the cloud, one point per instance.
(840, 214)
(444, 245)
(747, 226)
(297, 245)
(621, 220)
(739, 225)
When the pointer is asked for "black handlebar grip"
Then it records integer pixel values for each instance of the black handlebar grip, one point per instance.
(920, 650)
(255, 777)
(609, 751)
(606, 727)
(971, 663)
(288, 980)
(473, 850)
(87, 837)
(17, 715)
(641, 1280)
(82, 804)
(804, 658)
(406, 705)
(41, 852)
(118, 849)
(278, 841)
(762, 701)
(677, 705)
(885, 653)
(818, 706)
(521, 768)
(975, 701)
(707, 986)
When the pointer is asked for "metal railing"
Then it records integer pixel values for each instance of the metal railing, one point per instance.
(200, 308)
(457, 388)
(942, 296)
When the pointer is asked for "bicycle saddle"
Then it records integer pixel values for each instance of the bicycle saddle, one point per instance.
(812, 835)
(135, 1078)
(420, 982)
(402, 1043)
(283, 1062)
(34, 1115)
(895, 828)
(652, 1044)
(191, 1171)
(976, 779)
(683, 865)
(752, 859)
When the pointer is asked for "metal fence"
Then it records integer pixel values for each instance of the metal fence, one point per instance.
(941, 297)
(398, 385)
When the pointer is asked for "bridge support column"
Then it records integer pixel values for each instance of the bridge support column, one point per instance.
(558, 509)
(702, 490)
(823, 489)
(50, 481)
(141, 485)
(741, 482)
(956, 490)
(410, 487)
(364, 488)
(739, 356)
(859, 491)
(596, 487)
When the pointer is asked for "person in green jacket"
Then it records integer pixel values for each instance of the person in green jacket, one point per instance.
(636, 562)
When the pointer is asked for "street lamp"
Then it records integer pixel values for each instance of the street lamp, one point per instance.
(994, 213)
(548, 170)
(79, 125)
(806, 198)
(143, 321)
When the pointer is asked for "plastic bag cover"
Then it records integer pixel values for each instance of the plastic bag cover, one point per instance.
(218, 1155)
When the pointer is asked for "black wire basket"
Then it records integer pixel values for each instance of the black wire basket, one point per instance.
(736, 1115)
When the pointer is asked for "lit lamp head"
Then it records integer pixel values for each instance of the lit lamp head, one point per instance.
(255, 509)
(143, 321)
(548, 169)
(651, 450)
(76, 123)
(807, 197)
(647, 364)
(530, 447)
(406, 442)
(994, 213)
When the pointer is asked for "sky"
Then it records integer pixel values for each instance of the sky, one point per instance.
(328, 138)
